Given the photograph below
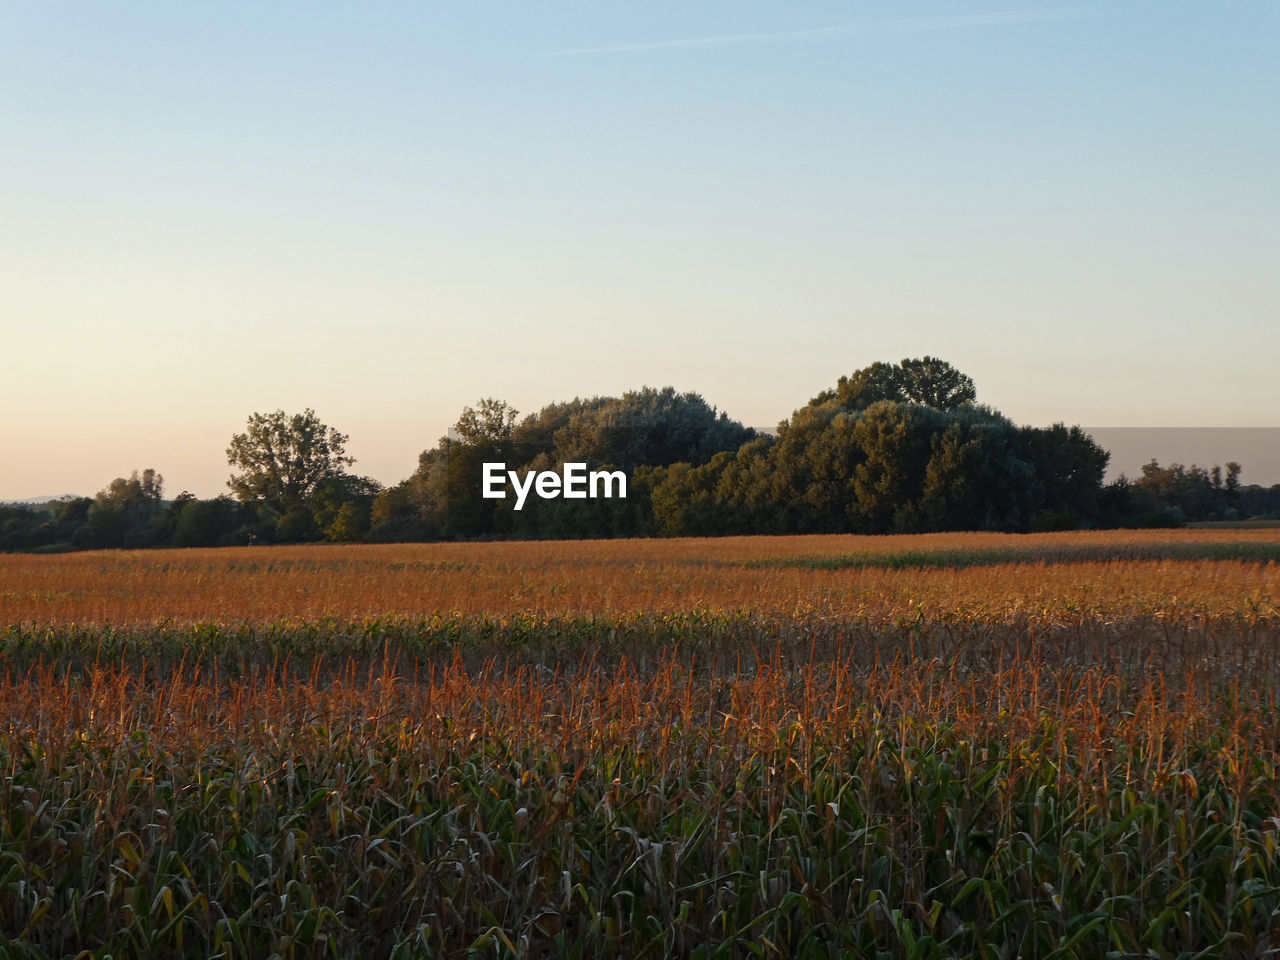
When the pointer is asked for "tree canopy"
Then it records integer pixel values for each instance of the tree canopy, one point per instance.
(294, 466)
(891, 447)
(282, 458)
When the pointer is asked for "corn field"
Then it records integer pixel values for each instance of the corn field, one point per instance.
(1061, 745)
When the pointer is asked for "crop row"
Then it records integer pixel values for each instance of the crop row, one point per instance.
(805, 808)
(154, 588)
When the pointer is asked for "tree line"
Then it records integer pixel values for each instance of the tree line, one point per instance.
(892, 448)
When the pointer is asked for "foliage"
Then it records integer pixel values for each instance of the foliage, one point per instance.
(342, 507)
(281, 459)
(638, 429)
(489, 420)
(205, 523)
(128, 512)
(1191, 493)
(891, 448)
(926, 381)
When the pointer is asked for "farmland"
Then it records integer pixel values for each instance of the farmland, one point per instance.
(932, 746)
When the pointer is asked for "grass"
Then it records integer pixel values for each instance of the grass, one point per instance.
(721, 758)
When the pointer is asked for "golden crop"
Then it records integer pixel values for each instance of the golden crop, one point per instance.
(1064, 745)
(1111, 573)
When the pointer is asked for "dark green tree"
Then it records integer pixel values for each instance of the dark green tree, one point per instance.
(646, 427)
(395, 515)
(489, 420)
(281, 459)
(934, 383)
(895, 440)
(342, 506)
(127, 512)
(1065, 489)
(205, 523)
(926, 381)
(974, 476)
(22, 527)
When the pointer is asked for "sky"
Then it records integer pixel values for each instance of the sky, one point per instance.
(386, 211)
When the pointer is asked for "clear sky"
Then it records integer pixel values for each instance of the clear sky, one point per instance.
(386, 211)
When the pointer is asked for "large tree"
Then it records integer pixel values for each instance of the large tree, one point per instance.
(936, 383)
(127, 512)
(281, 459)
(926, 381)
(488, 420)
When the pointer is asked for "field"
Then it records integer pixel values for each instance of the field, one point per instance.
(1060, 745)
